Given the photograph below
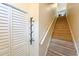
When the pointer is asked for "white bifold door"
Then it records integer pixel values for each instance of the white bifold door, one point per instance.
(14, 31)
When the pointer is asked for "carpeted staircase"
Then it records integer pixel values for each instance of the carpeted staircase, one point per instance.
(61, 30)
(62, 42)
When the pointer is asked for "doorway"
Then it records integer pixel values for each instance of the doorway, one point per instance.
(14, 31)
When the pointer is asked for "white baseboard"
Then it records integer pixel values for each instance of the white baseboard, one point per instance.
(72, 35)
(51, 37)
(47, 47)
(46, 32)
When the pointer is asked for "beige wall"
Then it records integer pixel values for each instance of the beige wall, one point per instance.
(47, 13)
(73, 18)
(31, 8)
(46, 16)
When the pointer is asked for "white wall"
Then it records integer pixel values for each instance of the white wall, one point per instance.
(47, 13)
(61, 8)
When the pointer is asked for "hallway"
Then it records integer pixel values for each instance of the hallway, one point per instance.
(62, 43)
(35, 29)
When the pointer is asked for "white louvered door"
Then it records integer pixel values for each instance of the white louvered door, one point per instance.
(19, 33)
(4, 30)
(14, 31)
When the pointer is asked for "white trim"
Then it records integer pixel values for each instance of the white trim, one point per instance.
(46, 33)
(72, 35)
(51, 37)
(47, 47)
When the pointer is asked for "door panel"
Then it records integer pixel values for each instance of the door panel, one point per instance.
(4, 31)
(19, 40)
(14, 31)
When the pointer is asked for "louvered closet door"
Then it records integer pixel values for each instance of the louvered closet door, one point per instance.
(19, 33)
(4, 31)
